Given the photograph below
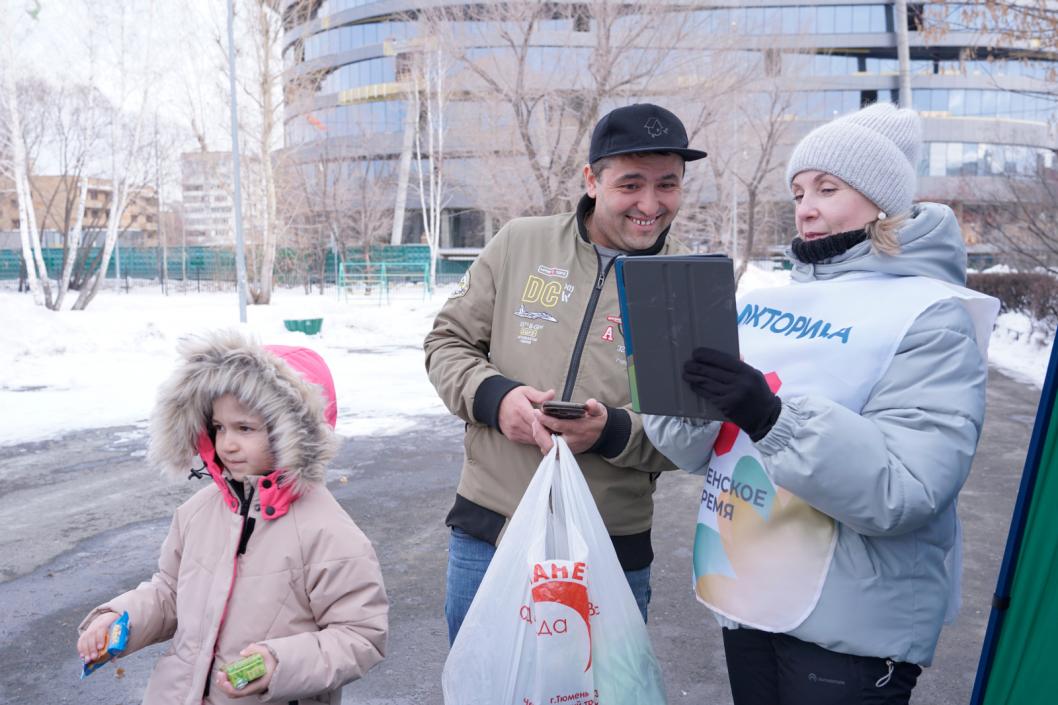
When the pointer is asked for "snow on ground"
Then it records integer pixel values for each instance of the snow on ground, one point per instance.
(100, 367)
(756, 278)
(73, 370)
(1021, 348)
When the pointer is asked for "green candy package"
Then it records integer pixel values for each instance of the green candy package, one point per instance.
(117, 639)
(242, 672)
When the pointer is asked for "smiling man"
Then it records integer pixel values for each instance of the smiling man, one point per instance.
(536, 319)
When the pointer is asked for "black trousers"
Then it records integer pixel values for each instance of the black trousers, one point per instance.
(777, 669)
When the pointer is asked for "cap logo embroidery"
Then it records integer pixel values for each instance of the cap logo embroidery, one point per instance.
(655, 128)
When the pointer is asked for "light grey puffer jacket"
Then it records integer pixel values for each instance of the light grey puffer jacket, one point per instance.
(892, 578)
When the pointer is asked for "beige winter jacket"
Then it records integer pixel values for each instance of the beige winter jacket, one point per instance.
(518, 315)
(307, 585)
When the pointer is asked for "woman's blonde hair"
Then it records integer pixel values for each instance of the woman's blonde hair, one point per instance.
(884, 233)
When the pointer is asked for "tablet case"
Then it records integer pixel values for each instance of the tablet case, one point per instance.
(670, 305)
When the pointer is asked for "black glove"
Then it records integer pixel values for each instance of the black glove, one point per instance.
(738, 390)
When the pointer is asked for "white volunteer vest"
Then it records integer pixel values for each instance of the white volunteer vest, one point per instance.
(761, 554)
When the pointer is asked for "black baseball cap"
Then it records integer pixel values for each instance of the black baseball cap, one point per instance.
(638, 128)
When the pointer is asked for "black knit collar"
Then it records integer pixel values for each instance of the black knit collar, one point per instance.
(584, 209)
(816, 251)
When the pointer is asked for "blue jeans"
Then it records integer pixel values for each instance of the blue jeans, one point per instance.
(469, 558)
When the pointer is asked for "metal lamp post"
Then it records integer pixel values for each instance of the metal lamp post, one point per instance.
(240, 250)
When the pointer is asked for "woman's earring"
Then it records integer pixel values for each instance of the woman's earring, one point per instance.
(881, 215)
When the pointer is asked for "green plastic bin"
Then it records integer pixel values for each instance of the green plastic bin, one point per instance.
(308, 326)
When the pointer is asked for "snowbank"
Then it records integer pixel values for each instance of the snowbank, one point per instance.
(1021, 348)
(88, 369)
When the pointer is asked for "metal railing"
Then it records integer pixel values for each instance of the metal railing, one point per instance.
(199, 268)
(379, 282)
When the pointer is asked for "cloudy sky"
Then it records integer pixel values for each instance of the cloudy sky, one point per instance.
(121, 46)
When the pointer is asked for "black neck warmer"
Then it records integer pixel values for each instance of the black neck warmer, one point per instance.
(815, 251)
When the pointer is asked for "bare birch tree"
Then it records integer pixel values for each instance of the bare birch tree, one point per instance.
(266, 96)
(1019, 217)
(764, 132)
(1008, 30)
(67, 127)
(70, 240)
(1020, 210)
(259, 78)
(538, 76)
(128, 173)
(129, 161)
(743, 162)
(370, 211)
(1030, 24)
(15, 22)
(346, 203)
(73, 140)
(429, 100)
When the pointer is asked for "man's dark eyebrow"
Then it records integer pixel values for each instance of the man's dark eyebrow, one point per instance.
(636, 176)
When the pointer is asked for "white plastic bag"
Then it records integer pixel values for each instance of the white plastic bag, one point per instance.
(554, 621)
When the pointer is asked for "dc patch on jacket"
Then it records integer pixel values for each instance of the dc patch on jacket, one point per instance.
(539, 294)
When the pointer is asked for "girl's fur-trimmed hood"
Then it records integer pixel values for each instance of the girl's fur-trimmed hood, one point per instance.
(291, 387)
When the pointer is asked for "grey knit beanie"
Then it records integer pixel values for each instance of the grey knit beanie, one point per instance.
(874, 150)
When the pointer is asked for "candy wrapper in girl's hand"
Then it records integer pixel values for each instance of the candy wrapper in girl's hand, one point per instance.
(242, 672)
(116, 640)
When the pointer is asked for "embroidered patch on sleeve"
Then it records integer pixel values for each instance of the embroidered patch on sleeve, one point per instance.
(463, 287)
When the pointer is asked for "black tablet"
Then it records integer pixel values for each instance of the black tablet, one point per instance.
(670, 305)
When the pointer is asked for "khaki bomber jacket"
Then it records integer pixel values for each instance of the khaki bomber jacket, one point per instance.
(521, 316)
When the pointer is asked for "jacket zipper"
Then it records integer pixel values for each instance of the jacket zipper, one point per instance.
(585, 324)
(244, 512)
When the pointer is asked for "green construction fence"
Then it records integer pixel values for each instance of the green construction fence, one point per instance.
(218, 264)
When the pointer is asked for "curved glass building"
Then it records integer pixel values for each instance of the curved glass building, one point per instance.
(988, 114)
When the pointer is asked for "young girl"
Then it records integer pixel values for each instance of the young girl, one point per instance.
(827, 543)
(264, 560)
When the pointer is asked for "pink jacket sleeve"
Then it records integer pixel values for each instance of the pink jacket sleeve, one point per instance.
(152, 605)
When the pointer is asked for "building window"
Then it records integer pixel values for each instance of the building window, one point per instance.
(979, 159)
(916, 21)
(772, 62)
(350, 37)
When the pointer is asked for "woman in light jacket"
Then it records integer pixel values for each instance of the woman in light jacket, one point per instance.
(827, 543)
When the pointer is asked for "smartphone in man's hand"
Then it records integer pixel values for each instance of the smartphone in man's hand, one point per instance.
(564, 409)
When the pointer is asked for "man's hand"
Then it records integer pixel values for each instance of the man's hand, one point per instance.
(221, 682)
(516, 412)
(579, 434)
